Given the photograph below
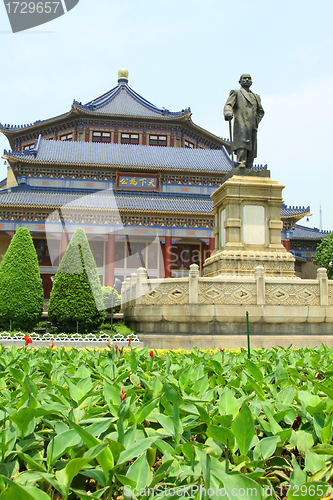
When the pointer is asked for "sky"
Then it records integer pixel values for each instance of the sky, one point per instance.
(191, 53)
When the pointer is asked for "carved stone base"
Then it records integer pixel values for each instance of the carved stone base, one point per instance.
(244, 262)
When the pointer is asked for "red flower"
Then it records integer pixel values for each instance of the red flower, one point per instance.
(116, 348)
(27, 339)
(52, 343)
(151, 354)
(129, 342)
(108, 344)
(122, 394)
(221, 350)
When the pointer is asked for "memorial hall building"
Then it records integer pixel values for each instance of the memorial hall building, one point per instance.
(132, 176)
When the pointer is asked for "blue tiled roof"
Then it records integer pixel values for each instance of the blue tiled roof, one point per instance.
(127, 155)
(308, 233)
(105, 200)
(124, 101)
(293, 211)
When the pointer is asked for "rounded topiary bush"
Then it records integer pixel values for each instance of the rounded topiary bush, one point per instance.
(76, 295)
(21, 289)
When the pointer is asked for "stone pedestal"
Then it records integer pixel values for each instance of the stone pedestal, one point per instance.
(248, 228)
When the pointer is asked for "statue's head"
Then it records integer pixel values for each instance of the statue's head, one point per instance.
(245, 81)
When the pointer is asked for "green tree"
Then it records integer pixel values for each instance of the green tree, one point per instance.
(324, 255)
(76, 294)
(21, 289)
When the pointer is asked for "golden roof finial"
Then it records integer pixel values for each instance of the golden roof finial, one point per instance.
(123, 74)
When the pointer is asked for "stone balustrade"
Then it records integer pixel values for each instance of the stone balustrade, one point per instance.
(258, 290)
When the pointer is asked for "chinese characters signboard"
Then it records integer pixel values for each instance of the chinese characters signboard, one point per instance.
(137, 182)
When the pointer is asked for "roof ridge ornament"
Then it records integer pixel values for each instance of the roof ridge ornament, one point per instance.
(123, 76)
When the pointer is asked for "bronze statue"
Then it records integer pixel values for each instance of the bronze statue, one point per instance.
(246, 107)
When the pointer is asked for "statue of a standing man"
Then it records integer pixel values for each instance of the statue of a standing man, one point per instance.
(246, 107)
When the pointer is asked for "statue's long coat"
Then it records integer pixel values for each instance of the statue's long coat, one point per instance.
(248, 112)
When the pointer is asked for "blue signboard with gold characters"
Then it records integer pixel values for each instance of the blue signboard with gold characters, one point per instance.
(137, 182)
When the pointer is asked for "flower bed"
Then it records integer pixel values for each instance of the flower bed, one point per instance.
(99, 424)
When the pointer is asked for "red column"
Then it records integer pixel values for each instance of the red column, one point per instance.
(286, 244)
(63, 244)
(87, 135)
(167, 256)
(109, 264)
(211, 245)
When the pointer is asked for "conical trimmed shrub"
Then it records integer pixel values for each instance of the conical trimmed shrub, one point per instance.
(21, 289)
(76, 294)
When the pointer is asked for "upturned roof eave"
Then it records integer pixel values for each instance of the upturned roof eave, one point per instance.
(11, 133)
(214, 137)
(95, 209)
(87, 112)
(15, 160)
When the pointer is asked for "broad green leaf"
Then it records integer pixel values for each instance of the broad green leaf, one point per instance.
(326, 433)
(126, 480)
(61, 444)
(19, 492)
(256, 387)
(266, 447)
(145, 410)
(323, 449)
(185, 377)
(203, 413)
(286, 396)
(309, 399)
(85, 385)
(201, 385)
(49, 478)
(243, 429)
(170, 394)
(96, 474)
(167, 423)
(318, 424)
(177, 422)
(222, 435)
(313, 462)
(74, 466)
(85, 496)
(228, 404)
(105, 458)
(140, 472)
(24, 420)
(30, 461)
(136, 449)
(237, 484)
(304, 441)
(111, 393)
(254, 371)
(75, 392)
(275, 427)
(298, 476)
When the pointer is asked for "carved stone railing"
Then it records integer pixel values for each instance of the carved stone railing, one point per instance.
(258, 290)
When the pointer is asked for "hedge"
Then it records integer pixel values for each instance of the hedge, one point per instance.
(76, 296)
(21, 289)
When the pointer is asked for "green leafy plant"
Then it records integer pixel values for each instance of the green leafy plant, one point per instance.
(21, 290)
(324, 255)
(100, 424)
(76, 296)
